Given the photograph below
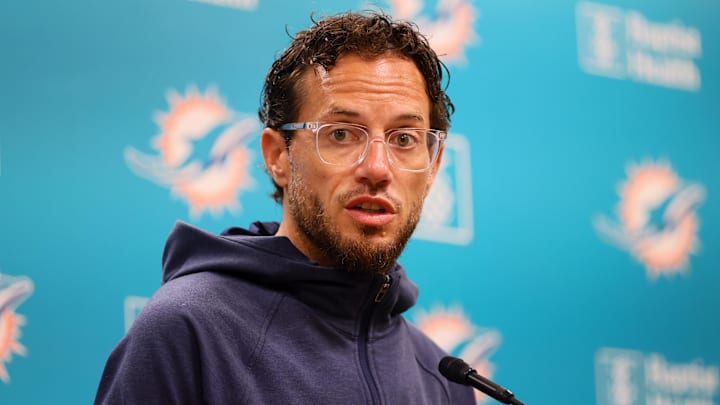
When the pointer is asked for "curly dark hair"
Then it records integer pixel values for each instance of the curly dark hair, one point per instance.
(370, 33)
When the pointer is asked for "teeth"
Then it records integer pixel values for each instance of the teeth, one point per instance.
(371, 207)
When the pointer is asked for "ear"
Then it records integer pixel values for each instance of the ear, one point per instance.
(275, 154)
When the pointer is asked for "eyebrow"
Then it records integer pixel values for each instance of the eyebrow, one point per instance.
(342, 112)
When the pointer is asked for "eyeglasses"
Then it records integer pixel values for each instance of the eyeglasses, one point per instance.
(344, 144)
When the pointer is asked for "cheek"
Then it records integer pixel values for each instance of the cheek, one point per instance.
(420, 187)
(314, 178)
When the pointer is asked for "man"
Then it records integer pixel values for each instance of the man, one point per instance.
(308, 311)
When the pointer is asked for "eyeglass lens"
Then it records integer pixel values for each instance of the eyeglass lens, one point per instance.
(345, 145)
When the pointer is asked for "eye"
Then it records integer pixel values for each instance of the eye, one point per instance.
(404, 139)
(339, 134)
(342, 134)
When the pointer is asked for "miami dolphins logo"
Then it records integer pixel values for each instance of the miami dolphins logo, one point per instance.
(211, 182)
(450, 32)
(658, 221)
(13, 291)
(451, 329)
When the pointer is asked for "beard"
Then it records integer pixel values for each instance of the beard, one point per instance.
(350, 255)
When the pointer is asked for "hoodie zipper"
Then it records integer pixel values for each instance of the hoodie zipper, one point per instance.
(363, 341)
(383, 289)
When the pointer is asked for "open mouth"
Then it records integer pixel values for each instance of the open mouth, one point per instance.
(371, 211)
(370, 207)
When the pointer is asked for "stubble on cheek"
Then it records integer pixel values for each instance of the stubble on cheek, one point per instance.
(333, 243)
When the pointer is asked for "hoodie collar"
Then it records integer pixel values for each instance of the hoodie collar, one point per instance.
(258, 256)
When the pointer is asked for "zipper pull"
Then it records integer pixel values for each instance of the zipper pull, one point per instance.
(384, 289)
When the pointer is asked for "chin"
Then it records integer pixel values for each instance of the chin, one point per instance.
(377, 231)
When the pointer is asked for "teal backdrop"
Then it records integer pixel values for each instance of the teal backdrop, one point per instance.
(570, 249)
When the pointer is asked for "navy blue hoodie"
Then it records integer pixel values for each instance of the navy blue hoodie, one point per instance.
(245, 318)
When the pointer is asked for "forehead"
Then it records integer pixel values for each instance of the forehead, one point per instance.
(388, 85)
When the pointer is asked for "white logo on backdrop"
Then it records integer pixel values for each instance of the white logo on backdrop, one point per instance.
(448, 211)
(132, 306)
(629, 377)
(239, 4)
(624, 44)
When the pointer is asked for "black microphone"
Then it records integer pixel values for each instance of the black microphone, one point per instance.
(458, 371)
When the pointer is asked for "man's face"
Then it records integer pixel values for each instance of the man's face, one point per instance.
(359, 217)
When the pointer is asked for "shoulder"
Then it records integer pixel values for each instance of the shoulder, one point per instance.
(191, 324)
(208, 300)
(203, 310)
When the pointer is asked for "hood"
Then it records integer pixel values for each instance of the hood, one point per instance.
(258, 256)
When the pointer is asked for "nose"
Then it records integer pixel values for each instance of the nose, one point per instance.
(375, 168)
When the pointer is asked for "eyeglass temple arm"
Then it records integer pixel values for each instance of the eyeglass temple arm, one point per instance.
(292, 126)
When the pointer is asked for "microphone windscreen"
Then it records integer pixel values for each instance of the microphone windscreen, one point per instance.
(454, 369)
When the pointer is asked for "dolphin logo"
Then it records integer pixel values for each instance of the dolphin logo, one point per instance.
(658, 223)
(450, 32)
(212, 182)
(13, 291)
(451, 329)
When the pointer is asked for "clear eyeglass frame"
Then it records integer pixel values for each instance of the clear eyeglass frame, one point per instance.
(400, 156)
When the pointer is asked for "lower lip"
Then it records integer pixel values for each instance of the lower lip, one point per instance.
(370, 218)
